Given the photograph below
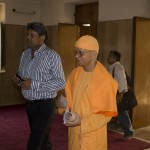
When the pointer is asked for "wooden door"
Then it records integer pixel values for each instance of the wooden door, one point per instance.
(86, 16)
(141, 114)
(67, 36)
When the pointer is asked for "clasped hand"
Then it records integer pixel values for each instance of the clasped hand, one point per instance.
(75, 122)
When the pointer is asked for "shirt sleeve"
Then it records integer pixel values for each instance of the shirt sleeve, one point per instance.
(54, 83)
(93, 122)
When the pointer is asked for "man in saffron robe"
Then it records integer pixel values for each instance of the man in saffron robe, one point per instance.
(91, 96)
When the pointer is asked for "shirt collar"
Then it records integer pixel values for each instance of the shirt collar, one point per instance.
(114, 64)
(40, 49)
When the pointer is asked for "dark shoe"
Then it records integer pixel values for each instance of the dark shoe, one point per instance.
(128, 137)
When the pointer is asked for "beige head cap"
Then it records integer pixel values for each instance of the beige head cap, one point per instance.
(87, 42)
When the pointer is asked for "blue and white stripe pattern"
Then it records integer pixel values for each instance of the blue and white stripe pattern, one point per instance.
(46, 72)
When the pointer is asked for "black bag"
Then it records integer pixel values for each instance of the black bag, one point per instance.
(128, 79)
(128, 101)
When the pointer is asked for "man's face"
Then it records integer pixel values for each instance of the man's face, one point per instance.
(111, 59)
(34, 40)
(83, 57)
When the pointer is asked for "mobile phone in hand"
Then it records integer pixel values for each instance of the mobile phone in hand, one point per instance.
(19, 77)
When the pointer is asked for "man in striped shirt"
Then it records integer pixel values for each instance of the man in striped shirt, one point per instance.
(42, 77)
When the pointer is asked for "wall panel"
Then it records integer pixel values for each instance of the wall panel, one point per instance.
(53, 37)
(13, 47)
(116, 35)
(142, 72)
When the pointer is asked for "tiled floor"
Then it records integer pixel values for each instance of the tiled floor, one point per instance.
(141, 133)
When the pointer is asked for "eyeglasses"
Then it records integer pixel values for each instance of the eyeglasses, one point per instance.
(81, 52)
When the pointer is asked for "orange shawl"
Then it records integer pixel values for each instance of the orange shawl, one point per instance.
(103, 90)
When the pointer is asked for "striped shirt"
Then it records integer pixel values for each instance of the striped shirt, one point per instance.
(46, 72)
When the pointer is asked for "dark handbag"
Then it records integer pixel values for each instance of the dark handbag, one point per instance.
(128, 101)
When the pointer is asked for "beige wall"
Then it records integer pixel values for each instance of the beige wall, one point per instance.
(62, 11)
(123, 9)
(52, 12)
(10, 17)
(108, 10)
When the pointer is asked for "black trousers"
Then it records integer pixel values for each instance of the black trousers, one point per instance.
(40, 114)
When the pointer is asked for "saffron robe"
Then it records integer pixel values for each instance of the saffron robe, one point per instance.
(93, 96)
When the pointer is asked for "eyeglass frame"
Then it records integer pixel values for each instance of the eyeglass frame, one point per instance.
(81, 52)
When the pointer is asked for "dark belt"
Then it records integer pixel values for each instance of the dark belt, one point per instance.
(39, 100)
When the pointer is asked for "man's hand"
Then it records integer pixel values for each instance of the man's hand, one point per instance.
(119, 97)
(61, 102)
(16, 80)
(75, 122)
(26, 84)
